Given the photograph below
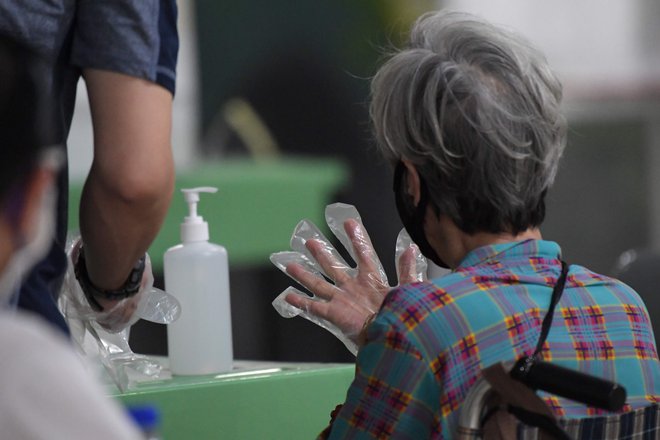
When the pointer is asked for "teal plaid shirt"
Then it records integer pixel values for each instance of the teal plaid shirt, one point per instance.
(428, 343)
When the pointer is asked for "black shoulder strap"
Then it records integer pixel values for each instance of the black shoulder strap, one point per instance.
(556, 296)
(523, 365)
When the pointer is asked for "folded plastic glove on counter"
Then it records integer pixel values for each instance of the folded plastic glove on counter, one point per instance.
(343, 297)
(109, 329)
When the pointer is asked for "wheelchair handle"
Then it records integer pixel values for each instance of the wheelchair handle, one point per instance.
(571, 384)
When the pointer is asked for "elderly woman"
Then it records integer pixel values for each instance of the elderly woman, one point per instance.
(469, 115)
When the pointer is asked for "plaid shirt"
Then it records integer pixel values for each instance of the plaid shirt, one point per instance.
(429, 341)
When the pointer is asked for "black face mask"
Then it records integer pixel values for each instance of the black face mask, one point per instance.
(412, 216)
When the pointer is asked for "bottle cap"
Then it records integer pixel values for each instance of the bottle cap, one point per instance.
(194, 228)
(146, 416)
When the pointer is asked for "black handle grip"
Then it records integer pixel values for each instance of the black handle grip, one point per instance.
(571, 384)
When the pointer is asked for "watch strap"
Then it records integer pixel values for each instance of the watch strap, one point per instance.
(130, 287)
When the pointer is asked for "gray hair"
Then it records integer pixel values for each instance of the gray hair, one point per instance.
(477, 110)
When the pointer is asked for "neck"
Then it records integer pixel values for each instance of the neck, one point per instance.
(452, 244)
(479, 239)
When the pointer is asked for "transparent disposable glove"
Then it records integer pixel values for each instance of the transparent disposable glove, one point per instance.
(344, 297)
(109, 328)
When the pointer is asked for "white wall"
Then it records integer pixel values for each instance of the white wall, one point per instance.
(599, 48)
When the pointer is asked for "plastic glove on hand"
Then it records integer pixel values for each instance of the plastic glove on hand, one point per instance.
(344, 297)
(148, 302)
(109, 328)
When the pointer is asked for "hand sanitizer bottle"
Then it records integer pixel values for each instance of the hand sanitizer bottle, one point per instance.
(197, 274)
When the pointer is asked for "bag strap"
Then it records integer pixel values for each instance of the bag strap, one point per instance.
(556, 296)
(521, 368)
(523, 365)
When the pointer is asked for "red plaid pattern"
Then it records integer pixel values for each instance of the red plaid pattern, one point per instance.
(429, 342)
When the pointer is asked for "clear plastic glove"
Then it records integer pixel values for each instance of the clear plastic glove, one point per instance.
(344, 297)
(109, 328)
(124, 367)
(149, 303)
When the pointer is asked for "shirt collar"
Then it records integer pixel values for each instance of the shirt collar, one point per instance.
(512, 250)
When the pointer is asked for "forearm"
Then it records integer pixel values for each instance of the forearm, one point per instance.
(117, 228)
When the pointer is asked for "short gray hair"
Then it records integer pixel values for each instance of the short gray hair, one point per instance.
(477, 110)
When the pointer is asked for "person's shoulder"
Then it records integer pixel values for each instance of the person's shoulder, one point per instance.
(581, 276)
(47, 391)
(406, 296)
(416, 318)
(603, 288)
(423, 307)
(434, 293)
(31, 350)
(137, 39)
(20, 331)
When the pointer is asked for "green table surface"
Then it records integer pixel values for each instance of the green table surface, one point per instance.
(258, 400)
(255, 209)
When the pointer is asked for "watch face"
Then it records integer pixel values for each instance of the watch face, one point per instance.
(135, 277)
(132, 284)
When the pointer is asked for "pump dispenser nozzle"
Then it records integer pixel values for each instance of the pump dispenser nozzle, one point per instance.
(194, 228)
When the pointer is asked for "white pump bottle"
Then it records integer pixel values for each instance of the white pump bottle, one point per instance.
(197, 274)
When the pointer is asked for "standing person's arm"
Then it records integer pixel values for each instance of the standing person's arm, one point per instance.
(130, 183)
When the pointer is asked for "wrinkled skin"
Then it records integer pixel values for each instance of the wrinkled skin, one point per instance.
(349, 302)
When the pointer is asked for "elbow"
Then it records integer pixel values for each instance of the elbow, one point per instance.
(152, 192)
(146, 187)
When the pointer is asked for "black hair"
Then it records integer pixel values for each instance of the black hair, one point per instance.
(25, 113)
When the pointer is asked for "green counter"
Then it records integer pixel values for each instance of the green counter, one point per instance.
(255, 209)
(257, 401)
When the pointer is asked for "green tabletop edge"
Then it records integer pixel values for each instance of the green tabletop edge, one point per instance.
(289, 403)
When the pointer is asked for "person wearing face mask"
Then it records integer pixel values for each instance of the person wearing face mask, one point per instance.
(469, 115)
(46, 391)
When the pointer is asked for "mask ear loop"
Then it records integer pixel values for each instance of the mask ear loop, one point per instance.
(420, 209)
(414, 223)
(406, 199)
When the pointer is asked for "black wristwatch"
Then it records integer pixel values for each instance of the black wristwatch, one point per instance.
(130, 287)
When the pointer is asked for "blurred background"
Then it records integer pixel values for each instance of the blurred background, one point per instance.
(272, 105)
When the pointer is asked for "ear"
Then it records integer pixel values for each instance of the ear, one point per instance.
(38, 182)
(412, 181)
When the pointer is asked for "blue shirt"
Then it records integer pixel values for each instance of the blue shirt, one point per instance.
(134, 37)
